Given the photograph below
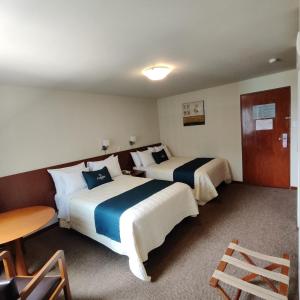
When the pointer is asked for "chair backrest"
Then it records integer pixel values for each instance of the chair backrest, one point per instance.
(8, 290)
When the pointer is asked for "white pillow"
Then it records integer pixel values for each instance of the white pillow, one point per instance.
(117, 169)
(152, 149)
(97, 165)
(56, 176)
(159, 148)
(146, 158)
(73, 181)
(112, 164)
(136, 159)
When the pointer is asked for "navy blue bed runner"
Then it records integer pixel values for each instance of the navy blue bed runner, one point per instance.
(185, 173)
(108, 213)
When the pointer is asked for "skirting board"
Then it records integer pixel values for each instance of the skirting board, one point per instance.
(291, 187)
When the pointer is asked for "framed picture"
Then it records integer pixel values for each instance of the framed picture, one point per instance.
(193, 113)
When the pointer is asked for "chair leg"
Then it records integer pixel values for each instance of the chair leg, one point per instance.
(67, 292)
(64, 274)
(283, 288)
(238, 294)
(223, 293)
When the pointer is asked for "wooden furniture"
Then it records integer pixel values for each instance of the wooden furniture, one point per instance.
(138, 173)
(266, 274)
(38, 286)
(266, 149)
(16, 224)
(37, 188)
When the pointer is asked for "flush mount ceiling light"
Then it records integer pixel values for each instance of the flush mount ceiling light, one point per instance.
(157, 72)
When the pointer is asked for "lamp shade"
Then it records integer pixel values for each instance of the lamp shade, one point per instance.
(132, 138)
(105, 142)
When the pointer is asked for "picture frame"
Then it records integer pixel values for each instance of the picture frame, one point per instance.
(193, 113)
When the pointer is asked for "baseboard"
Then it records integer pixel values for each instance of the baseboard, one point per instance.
(239, 182)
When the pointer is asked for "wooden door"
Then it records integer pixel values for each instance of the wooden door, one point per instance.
(265, 118)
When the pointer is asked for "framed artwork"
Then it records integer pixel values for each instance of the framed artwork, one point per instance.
(193, 113)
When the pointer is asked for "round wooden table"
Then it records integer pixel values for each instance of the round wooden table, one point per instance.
(16, 224)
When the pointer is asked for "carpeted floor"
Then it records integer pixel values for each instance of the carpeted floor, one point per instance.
(263, 219)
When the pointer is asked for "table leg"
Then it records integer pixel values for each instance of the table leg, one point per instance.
(19, 261)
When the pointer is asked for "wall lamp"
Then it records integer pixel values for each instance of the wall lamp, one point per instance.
(132, 140)
(105, 144)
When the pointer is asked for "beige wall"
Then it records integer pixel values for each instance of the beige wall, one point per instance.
(43, 127)
(221, 136)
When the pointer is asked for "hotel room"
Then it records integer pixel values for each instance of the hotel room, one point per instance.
(149, 149)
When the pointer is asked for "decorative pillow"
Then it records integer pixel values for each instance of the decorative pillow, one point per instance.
(96, 178)
(136, 159)
(160, 156)
(112, 164)
(146, 158)
(56, 176)
(161, 147)
(73, 181)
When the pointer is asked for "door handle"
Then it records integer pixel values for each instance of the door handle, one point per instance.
(284, 139)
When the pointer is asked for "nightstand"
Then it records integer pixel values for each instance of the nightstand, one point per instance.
(138, 173)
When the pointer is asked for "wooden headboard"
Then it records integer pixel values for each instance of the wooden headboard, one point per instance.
(37, 188)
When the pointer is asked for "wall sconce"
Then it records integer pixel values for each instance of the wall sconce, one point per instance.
(132, 140)
(105, 145)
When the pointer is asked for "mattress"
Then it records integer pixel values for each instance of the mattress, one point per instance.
(143, 227)
(206, 178)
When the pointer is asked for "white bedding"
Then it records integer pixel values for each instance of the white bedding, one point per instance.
(143, 227)
(206, 178)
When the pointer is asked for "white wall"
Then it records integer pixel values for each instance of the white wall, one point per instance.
(43, 127)
(221, 135)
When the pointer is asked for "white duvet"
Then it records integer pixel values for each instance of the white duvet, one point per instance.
(206, 178)
(143, 227)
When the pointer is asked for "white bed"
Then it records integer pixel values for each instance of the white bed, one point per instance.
(206, 178)
(143, 227)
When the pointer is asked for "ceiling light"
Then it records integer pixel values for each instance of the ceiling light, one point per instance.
(157, 72)
(274, 60)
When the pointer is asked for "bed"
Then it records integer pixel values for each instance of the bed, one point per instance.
(206, 178)
(142, 227)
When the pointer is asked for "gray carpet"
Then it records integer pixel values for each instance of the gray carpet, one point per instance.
(263, 219)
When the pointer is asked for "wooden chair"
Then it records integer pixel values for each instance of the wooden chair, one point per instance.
(38, 286)
(244, 284)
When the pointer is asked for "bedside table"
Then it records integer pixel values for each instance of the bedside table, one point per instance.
(138, 173)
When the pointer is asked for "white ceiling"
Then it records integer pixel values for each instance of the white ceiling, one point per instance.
(102, 45)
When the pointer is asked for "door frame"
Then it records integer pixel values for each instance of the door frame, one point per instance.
(289, 132)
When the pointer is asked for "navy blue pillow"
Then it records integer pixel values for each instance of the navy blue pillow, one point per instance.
(96, 178)
(160, 156)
